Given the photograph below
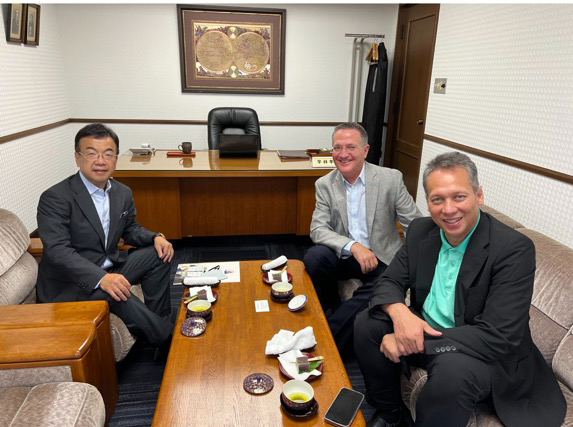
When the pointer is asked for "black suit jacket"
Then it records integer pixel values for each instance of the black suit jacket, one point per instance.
(73, 238)
(491, 313)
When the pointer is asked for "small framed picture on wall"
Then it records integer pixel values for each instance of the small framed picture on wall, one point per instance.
(32, 29)
(17, 23)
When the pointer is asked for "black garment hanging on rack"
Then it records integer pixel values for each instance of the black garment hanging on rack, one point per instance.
(375, 105)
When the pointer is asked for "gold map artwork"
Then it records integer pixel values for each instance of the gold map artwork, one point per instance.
(235, 51)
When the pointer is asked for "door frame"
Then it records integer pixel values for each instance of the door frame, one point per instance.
(396, 88)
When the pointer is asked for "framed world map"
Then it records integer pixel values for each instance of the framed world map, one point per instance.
(232, 50)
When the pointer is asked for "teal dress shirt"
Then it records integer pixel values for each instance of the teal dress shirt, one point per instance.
(438, 309)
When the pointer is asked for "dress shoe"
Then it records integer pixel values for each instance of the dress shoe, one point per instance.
(162, 351)
(378, 421)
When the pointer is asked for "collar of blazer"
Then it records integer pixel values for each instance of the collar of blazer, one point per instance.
(371, 195)
(84, 201)
(474, 258)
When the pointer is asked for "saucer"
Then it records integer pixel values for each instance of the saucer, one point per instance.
(258, 383)
(311, 411)
(281, 300)
(193, 326)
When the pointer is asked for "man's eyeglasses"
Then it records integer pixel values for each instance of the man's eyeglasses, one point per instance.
(92, 156)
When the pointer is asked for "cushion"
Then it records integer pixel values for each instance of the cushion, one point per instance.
(11, 399)
(14, 240)
(510, 222)
(19, 281)
(553, 290)
(346, 288)
(568, 421)
(66, 404)
(563, 360)
(29, 377)
(122, 339)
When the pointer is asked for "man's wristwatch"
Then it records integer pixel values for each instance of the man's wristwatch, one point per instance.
(159, 235)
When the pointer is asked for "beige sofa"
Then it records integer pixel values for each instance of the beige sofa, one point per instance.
(551, 321)
(44, 396)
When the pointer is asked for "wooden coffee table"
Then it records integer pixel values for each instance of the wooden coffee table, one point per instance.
(203, 379)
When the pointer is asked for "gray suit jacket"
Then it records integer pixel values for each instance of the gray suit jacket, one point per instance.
(73, 238)
(387, 201)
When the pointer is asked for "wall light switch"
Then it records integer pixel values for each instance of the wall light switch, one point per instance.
(440, 85)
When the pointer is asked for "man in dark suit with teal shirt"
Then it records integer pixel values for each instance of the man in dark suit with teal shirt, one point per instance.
(80, 223)
(471, 281)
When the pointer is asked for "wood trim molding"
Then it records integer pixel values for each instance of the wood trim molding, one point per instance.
(33, 131)
(191, 122)
(559, 176)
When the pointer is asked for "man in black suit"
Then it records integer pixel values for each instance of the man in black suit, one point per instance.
(80, 222)
(471, 281)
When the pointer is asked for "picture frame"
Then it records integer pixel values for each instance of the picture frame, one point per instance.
(32, 28)
(17, 23)
(232, 49)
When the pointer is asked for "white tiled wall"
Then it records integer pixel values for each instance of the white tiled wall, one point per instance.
(509, 92)
(32, 94)
(540, 203)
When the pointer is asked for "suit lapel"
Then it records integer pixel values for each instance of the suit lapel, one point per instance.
(86, 204)
(474, 259)
(429, 250)
(340, 197)
(114, 212)
(372, 186)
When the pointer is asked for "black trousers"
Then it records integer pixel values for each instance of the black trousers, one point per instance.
(144, 320)
(326, 269)
(456, 381)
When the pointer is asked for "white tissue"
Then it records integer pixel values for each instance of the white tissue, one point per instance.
(285, 340)
(196, 281)
(275, 263)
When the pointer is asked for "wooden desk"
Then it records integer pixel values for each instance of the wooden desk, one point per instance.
(203, 380)
(209, 196)
(74, 334)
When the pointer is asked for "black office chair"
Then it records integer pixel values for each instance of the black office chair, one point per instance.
(231, 120)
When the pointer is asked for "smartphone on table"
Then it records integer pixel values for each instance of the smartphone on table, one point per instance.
(342, 411)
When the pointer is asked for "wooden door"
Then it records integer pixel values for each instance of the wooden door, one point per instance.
(414, 53)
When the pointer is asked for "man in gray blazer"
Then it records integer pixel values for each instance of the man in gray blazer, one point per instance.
(354, 227)
(80, 222)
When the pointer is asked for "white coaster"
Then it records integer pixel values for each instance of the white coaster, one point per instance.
(261, 305)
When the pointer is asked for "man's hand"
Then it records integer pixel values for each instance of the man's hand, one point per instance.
(116, 285)
(408, 329)
(164, 248)
(390, 348)
(365, 257)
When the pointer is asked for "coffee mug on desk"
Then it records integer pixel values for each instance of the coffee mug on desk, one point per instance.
(185, 147)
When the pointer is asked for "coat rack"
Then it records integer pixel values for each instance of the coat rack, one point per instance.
(356, 77)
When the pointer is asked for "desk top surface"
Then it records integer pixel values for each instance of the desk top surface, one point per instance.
(208, 160)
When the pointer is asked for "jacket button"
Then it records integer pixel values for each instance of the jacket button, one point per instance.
(448, 348)
(442, 349)
(453, 348)
(437, 349)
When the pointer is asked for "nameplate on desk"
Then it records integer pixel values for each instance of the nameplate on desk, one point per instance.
(322, 162)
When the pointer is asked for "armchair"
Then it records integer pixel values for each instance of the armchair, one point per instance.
(19, 270)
